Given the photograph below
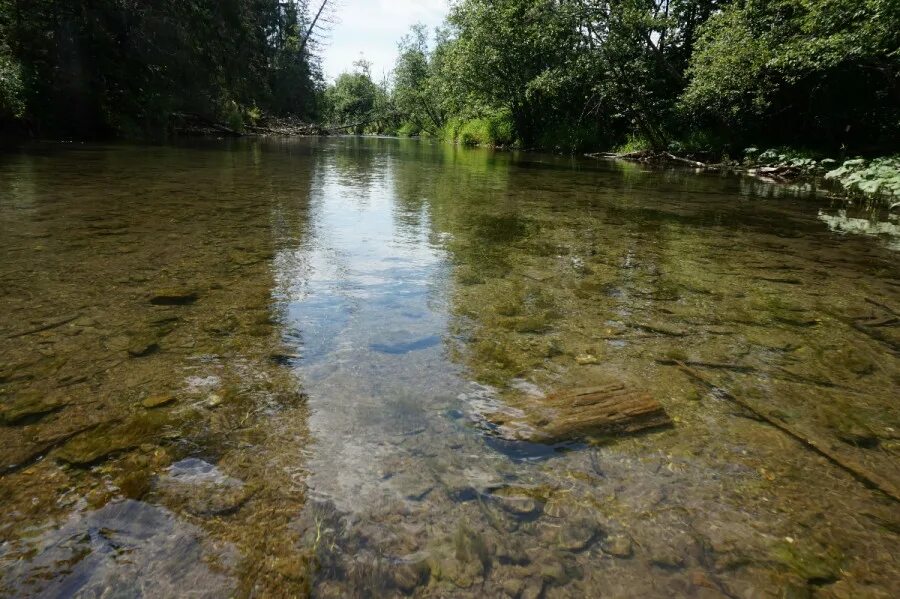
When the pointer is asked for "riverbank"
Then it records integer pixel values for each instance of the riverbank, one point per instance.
(875, 180)
(195, 125)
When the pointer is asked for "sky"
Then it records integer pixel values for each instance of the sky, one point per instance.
(373, 28)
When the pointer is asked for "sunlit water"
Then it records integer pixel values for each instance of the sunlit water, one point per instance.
(263, 369)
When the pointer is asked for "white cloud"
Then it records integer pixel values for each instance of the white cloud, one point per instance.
(373, 28)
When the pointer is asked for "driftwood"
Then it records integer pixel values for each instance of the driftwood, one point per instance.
(191, 123)
(650, 156)
(820, 446)
(577, 413)
(779, 174)
(353, 125)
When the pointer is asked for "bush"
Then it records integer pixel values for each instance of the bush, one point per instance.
(475, 132)
(879, 177)
(451, 129)
(502, 129)
(635, 143)
(409, 130)
(701, 142)
(12, 103)
(565, 135)
(233, 116)
(495, 130)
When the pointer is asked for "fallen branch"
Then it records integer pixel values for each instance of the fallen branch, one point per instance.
(192, 122)
(649, 156)
(43, 448)
(674, 158)
(860, 472)
(876, 335)
(712, 365)
(45, 327)
(882, 306)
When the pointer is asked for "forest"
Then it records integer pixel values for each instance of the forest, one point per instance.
(684, 75)
(700, 77)
(123, 68)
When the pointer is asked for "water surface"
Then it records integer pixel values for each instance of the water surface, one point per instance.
(262, 369)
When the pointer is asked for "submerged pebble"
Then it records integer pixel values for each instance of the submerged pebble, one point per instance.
(576, 535)
(156, 401)
(201, 488)
(520, 506)
(617, 545)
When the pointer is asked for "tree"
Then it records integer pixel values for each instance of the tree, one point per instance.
(826, 71)
(352, 98)
(414, 96)
(109, 66)
(12, 102)
(575, 70)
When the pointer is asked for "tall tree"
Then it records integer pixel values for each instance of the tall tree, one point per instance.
(113, 66)
(414, 94)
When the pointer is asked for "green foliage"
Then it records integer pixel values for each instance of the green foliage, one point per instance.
(357, 103)
(451, 129)
(116, 67)
(876, 177)
(12, 101)
(409, 130)
(476, 132)
(728, 71)
(233, 116)
(825, 71)
(415, 96)
(570, 75)
(496, 130)
(513, 56)
(12, 89)
(703, 77)
(701, 143)
(634, 143)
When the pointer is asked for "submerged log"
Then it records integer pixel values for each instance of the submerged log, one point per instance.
(612, 409)
(821, 446)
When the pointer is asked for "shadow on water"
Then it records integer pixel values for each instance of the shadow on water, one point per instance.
(264, 368)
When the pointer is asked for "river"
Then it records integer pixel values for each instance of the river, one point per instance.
(267, 367)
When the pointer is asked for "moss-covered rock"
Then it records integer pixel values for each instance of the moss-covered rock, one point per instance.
(29, 406)
(107, 440)
(815, 564)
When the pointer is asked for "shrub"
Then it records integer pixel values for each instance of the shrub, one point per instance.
(475, 132)
(233, 115)
(12, 104)
(879, 177)
(451, 129)
(409, 130)
(635, 143)
(496, 129)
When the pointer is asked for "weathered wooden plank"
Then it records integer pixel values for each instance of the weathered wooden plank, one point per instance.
(577, 413)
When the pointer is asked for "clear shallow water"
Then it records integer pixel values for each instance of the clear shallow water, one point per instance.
(324, 323)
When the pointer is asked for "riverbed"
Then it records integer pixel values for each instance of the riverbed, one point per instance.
(263, 368)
